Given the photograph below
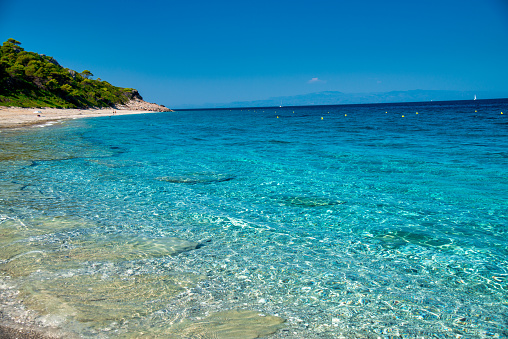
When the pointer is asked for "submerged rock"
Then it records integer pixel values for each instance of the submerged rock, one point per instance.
(196, 179)
(34, 256)
(47, 244)
(12, 229)
(231, 324)
(399, 238)
(234, 324)
(124, 248)
(98, 300)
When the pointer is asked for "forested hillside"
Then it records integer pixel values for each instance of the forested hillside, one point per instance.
(29, 79)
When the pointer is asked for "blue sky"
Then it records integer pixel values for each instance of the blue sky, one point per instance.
(195, 52)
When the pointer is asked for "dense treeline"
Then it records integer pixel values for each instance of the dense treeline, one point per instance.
(28, 79)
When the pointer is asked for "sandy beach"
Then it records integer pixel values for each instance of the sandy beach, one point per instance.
(15, 117)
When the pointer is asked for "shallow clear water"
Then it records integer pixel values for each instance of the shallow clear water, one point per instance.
(361, 221)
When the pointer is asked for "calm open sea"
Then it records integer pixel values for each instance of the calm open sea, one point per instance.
(361, 221)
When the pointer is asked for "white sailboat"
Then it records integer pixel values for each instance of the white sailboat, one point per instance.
(475, 97)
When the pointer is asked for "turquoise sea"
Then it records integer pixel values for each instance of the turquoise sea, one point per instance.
(357, 221)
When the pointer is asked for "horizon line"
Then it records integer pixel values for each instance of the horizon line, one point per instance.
(324, 105)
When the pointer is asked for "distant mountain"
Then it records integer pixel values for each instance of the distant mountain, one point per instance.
(340, 98)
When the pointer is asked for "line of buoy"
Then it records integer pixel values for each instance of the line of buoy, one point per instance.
(403, 116)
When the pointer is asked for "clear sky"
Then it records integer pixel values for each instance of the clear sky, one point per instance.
(180, 53)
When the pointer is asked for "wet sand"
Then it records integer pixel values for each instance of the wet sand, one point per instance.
(15, 117)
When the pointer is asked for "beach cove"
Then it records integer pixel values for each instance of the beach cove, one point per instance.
(359, 221)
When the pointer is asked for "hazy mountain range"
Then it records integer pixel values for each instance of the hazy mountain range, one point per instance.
(340, 98)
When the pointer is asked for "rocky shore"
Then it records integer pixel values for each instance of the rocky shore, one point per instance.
(141, 105)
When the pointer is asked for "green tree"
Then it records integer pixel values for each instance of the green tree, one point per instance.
(14, 42)
(42, 72)
(66, 88)
(16, 70)
(11, 46)
(24, 58)
(86, 74)
(32, 68)
(52, 84)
